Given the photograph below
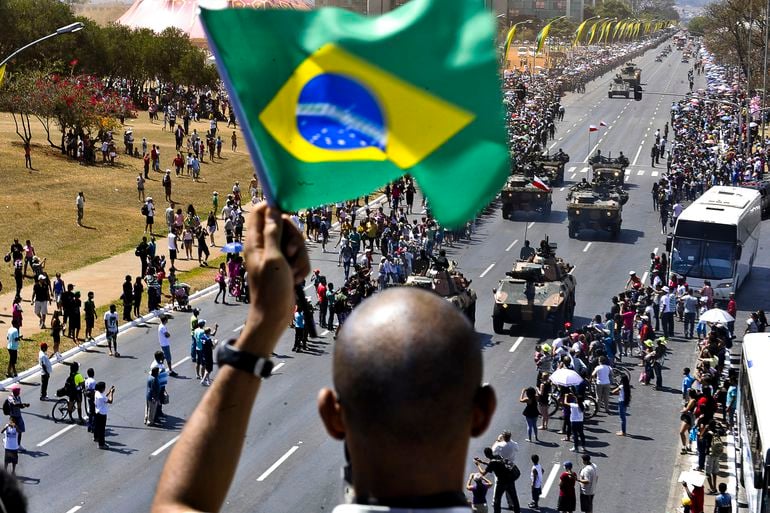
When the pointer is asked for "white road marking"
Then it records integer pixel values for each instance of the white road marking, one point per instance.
(553, 145)
(165, 446)
(308, 287)
(562, 189)
(655, 250)
(279, 366)
(584, 170)
(530, 225)
(644, 276)
(573, 176)
(654, 173)
(585, 249)
(73, 510)
(278, 463)
(628, 172)
(515, 344)
(56, 435)
(637, 155)
(324, 333)
(640, 172)
(571, 169)
(550, 480)
(181, 361)
(487, 270)
(512, 245)
(572, 270)
(239, 328)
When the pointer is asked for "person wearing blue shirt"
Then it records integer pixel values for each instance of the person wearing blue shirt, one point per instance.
(687, 381)
(731, 402)
(300, 333)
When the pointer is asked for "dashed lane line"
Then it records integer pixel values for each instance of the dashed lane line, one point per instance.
(585, 249)
(487, 270)
(278, 463)
(165, 446)
(512, 244)
(515, 344)
(56, 435)
(550, 480)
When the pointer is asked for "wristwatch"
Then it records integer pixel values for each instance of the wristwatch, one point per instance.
(241, 360)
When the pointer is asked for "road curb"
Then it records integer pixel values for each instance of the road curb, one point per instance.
(4, 384)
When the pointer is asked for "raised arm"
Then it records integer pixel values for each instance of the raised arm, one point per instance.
(276, 260)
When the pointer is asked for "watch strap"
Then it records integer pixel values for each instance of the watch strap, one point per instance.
(257, 365)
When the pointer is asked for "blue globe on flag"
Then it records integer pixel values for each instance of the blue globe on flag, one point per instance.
(336, 112)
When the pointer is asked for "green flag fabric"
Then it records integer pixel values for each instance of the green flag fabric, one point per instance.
(335, 104)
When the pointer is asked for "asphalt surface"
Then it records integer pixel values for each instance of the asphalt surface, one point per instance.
(289, 464)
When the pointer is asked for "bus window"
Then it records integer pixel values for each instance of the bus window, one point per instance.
(702, 259)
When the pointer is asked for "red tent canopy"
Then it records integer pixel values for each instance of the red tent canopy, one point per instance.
(158, 15)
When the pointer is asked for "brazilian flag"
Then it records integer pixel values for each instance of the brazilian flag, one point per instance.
(335, 104)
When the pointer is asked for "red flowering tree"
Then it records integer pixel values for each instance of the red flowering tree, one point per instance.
(78, 103)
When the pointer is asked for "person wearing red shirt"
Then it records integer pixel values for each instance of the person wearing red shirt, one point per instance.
(322, 302)
(732, 309)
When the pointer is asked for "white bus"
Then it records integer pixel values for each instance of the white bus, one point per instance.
(716, 239)
(754, 422)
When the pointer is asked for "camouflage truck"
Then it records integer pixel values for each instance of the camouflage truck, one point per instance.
(619, 87)
(553, 166)
(520, 194)
(535, 293)
(452, 286)
(611, 170)
(631, 75)
(596, 206)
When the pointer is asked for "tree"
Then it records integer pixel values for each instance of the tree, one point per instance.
(697, 25)
(16, 97)
(614, 9)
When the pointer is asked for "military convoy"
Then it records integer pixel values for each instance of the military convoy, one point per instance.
(535, 292)
(597, 205)
(628, 81)
(612, 170)
(619, 87)
(520, 194)
(452, 286)
(528, 189)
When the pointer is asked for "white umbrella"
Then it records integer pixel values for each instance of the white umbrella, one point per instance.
(716, 315)
(566, 378)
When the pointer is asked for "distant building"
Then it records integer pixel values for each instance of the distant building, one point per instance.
(543, 9)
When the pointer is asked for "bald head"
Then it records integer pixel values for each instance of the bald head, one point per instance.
(407, 365)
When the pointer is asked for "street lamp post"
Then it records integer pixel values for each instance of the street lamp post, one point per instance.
(67, 29)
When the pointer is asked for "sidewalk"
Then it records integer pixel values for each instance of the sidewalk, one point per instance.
(104, 278)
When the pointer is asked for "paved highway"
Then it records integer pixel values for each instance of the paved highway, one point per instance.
(289, 463)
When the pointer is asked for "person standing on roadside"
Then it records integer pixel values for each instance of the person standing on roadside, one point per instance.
(478, 485)
(164, 339)
(89, 309)
(503, 469)
(536, 480)
(128, 298)
(11, 445)
(507, 449)
(13, 336)
(587, 479)
(623, 391)
(602, 375)
(46, 369)
(15, 405)
(41, 297)
(90, 390)
(102, 399)
(138, 291)
(111, 330)
(80, 204)
(566, 502)
(152, 397)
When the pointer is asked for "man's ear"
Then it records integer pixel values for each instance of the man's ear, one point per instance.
(484, 404)
(330, 411)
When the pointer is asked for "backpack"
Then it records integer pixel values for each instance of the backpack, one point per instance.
(145, 210)
(511, 469)
(717, 447)
(6, 407)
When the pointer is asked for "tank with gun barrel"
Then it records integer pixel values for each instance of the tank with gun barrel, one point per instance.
(451, 285)
(538, 290)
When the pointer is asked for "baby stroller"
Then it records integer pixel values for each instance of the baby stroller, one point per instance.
(181, 297)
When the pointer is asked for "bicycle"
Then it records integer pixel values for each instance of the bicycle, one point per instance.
(590, 407)
(62, 409)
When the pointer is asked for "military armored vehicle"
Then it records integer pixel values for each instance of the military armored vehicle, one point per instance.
(597, 205)
(452, 286)
(619, 87)
(612, 170)
(520, 194)
(553, 166)
(632, 75)
(534, 293)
